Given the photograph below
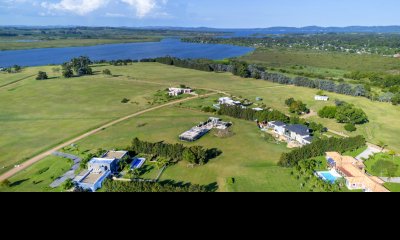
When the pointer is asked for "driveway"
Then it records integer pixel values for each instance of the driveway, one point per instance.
(71, 173)
(370, 151)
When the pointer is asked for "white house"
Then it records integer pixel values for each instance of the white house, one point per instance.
(178, 91)
(396, 55)
(321, 98)
(258, 109)
(228, 101)
(278, 127)
(299, 133)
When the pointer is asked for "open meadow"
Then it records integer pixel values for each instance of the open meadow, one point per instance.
(39, 114)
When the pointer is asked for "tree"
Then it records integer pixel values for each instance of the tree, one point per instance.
(68, 184)
(189, 156)
(107, 72)
(17, 68)
(5, 183)
(289, 101)
(68, 73)
(350, 127)
(328, 112)
(42, 76)
(349, 114)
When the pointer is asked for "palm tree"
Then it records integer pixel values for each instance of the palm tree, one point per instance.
(382, 144)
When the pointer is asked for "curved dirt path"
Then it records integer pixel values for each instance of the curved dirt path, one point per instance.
(47, 153)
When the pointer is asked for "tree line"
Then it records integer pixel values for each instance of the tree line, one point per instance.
(174, 152)
(166, 186)
(245, 70)
(319, 148)
(267, 115)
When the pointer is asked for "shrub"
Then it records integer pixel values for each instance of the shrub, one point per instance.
(41, 171)
(350, 127)
(125, 100)
(107, 72)
(42, 76)
(5, 183)
(67, 185)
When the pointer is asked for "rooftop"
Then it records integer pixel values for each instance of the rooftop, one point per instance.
(115, 154)
(299, 129)
(279, 123)
(101, 160)
(93, 177)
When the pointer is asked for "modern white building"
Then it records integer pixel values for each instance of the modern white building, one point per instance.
(228, 101)
(297, 132)
(321, 98)
(174, 92)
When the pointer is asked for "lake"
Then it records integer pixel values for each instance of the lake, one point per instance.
(170, 47)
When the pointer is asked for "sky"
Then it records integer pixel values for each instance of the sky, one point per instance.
(200, 13)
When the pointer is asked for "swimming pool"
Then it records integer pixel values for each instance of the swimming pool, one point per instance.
(329, 176)
(138, 163)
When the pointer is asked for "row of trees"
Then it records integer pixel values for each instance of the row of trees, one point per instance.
(166, 186)
(267, 116)
(252, 115)
(245, 70)
(319, 148)
(174, 152)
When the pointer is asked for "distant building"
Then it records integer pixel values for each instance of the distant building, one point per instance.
(228, 101)
(321, 98)
(259, 99)
(258, 109)
(199, 131)
(99, 169)
(396, 55)
(178, 91)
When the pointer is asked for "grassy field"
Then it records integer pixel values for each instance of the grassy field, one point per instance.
(247, 156)
(393, 187)
(44, 113)
(274, 95)
(379, 164)
(334, 63)
(32, 180)
(70, 43)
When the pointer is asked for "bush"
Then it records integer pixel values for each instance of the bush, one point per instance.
(41, 171)
(68, 73)
(107, 72)
(125, 100)
(350, 127)
(67, 185)
(209, 109)
(328, 112)
(42, 76)
(5, 183)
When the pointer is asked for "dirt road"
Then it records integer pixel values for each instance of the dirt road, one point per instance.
(39, 157)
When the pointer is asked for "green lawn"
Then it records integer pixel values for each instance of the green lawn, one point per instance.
(247, 156)
(393, 187)
(274, 95)
(381, 162)
(30, 179)
(44, 113)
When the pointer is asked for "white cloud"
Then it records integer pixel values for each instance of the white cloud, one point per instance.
(143, 8)
(115, 15)
(81, 7)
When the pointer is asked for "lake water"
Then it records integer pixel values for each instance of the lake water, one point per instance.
(171, 47)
